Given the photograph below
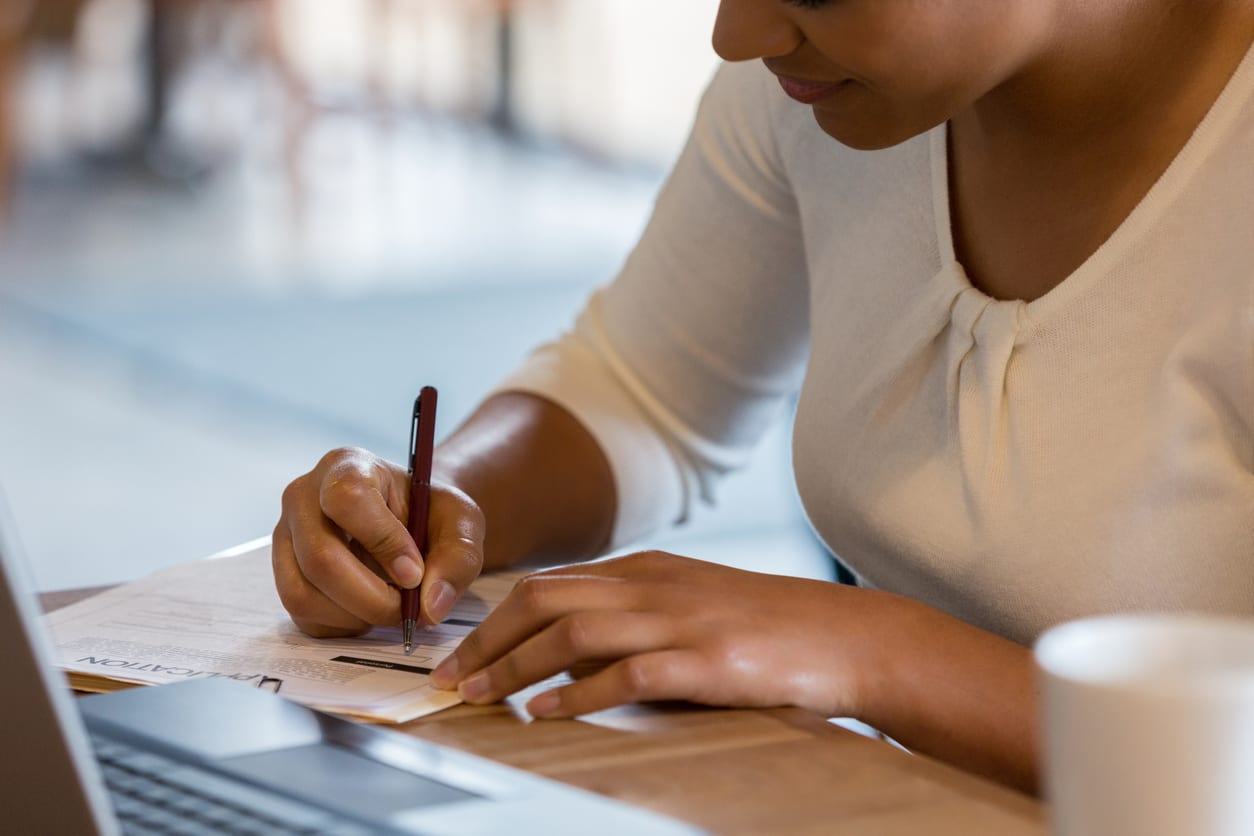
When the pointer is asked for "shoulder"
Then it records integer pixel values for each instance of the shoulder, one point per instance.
(746, 97)
(745, 116)
(742, 104)
(745, 84)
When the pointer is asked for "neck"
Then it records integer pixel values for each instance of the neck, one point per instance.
(1106, 71)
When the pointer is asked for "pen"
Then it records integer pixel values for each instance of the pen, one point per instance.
(421, 440)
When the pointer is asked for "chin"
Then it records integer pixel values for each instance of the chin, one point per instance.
(863, 134)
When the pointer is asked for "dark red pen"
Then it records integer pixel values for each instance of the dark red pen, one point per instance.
(421, 442)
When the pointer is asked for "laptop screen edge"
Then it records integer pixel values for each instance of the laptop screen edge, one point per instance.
(40, 697)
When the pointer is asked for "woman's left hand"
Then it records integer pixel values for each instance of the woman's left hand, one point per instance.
(669, 628)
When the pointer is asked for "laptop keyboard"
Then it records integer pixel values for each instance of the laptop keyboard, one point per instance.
(154, 794)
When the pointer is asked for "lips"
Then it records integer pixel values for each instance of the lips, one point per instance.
(809, 92)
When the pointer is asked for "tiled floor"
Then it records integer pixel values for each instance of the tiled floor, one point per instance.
(170, 357)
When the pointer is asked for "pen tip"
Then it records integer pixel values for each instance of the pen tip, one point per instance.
(409, 649)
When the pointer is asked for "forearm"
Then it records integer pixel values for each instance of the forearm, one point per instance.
(946, 689)
(540, 478)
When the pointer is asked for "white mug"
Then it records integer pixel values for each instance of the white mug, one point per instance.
(1149, 725)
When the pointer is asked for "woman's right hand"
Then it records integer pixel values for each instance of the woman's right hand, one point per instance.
(341, 548)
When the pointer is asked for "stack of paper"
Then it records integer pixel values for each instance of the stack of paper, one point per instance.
(222, 618)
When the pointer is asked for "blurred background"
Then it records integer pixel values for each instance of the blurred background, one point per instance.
(237, 233)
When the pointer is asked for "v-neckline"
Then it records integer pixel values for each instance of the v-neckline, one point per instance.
(1213, 126)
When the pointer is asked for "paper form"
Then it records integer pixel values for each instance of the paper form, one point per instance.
(222, 618)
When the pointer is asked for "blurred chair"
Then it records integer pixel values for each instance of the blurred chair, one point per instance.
(167, 48)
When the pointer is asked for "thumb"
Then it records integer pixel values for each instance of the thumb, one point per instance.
(454, 551)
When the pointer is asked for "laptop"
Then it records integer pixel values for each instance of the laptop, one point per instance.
(216, 756)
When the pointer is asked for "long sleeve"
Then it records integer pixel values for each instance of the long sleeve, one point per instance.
(679, 365)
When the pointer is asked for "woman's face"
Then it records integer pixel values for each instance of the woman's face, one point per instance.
(877, 72)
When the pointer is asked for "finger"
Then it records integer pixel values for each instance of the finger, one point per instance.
(637, 565)
(455, 554)
(535, 602)
(572, 639)
(327, 562)
(608, 567)
(312, 611)
(664, 675)
(355, 495)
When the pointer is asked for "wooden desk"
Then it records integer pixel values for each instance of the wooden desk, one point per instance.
(777, 771)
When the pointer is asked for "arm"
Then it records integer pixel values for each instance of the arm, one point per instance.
(541, 480)
(520, 463)
(672, 628)
(960, 694)
(675, 370)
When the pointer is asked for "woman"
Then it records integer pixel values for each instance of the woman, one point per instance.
(1003, 249)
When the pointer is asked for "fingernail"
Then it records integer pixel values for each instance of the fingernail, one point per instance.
(406, 572)
(474, 688)
(544, 705)
(440, 600)
(445, 673)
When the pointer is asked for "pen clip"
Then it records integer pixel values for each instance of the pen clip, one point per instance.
(413, 434)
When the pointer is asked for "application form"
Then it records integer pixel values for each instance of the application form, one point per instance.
(222, 618)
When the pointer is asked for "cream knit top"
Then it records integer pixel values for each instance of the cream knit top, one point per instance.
(1014, 464)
